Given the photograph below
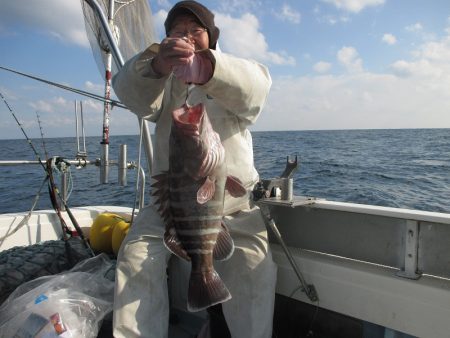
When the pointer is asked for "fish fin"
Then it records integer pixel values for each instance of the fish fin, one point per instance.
(224, 247)
(172, 242)
(235, 187)
(206, 191)
(206, 289)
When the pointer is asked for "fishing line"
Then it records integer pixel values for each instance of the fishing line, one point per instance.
(74, 90)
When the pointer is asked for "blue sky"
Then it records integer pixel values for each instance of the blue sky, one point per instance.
(335, 64)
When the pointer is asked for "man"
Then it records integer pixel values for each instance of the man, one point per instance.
(187, 67)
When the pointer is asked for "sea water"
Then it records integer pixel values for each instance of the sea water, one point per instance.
(405, 168)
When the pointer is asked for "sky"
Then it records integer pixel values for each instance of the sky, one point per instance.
(335, 64)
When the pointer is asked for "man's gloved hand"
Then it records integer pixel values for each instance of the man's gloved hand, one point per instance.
(198, 70)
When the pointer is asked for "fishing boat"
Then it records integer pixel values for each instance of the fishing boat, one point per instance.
(344, 269)
(365, 271)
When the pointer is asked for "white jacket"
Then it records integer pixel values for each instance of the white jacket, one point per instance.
(233, 97)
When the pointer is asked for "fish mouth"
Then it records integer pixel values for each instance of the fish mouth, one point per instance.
(188, 119)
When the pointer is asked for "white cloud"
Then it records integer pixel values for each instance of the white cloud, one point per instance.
(432, 62)
(415, 95)
(349, 58)
(60, 19)
(438, 51)
(404, 68)
(330, 19)
(95, 87)
(241, 36)
(93, 106)
(415, 27)
(322, 67)
(356, 100)
(389, 39)
(51, 105)
(354, 6)
(289, 14)
(42, 106)
(238, 6)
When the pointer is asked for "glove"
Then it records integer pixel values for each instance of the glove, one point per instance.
(197, 71)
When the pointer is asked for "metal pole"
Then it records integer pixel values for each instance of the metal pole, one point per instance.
(104, 21)
(147, 145)
(83, 135)
(309, 289)
(141, 188)
(77, 162)
(123, 165)
(76, 127)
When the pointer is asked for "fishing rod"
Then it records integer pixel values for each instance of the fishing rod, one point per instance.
(74, 90)
(23, 131)
(55, 189)
(52, 189)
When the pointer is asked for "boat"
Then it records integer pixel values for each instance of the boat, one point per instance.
(344, 269)
(376, 271)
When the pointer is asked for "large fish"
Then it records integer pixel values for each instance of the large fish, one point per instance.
(191, 198)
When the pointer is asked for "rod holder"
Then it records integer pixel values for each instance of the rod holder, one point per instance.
(122, 167)
(287, 187)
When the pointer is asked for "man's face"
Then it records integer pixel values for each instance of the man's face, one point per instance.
(187, 26)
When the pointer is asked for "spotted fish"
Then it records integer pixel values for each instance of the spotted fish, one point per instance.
(191, 199)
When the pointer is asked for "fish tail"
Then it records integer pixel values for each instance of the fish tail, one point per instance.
(206, 289)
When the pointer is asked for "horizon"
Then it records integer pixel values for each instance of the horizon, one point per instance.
(252, 132)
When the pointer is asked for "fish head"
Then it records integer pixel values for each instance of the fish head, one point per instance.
(199, 144)
(188, 120)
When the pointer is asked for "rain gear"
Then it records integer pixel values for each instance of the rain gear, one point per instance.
(233, 98)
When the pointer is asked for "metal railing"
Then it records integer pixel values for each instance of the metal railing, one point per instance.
(413, 242)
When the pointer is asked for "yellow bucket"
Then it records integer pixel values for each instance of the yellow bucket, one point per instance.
(101, 233)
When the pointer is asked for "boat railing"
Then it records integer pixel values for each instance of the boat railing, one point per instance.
(412, 242)
(81, 162)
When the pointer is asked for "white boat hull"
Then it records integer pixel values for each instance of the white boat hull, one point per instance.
(357, 257)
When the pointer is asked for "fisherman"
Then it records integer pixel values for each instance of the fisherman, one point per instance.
(187, 67)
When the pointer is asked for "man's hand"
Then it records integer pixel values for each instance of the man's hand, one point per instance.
(178, 55)
(172, 52)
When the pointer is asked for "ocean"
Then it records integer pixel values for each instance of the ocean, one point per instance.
(404, 168)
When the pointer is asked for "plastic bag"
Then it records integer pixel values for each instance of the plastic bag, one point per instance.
(70, 304)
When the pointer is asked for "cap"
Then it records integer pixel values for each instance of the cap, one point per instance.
(203, 14)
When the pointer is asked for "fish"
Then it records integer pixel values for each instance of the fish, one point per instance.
(190, 198)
